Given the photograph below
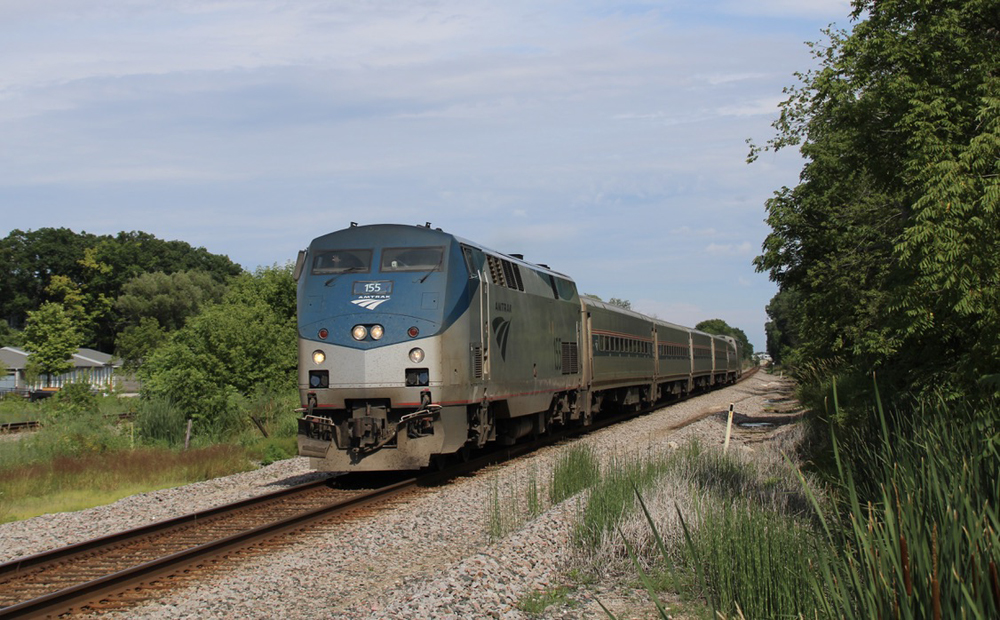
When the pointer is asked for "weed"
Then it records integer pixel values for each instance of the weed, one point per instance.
(538, 601)
(273, 453)
(576, 469)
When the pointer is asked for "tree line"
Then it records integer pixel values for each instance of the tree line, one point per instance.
(887, 252)
(87, 273)
(195, 327)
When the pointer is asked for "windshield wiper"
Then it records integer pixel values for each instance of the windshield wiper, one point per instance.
(433, 269)
(348, 270)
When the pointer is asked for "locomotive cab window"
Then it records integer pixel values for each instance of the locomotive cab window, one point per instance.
(412, 259)
(341, 261)
(565, 288)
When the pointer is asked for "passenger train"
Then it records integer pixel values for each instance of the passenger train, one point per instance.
(415, 344)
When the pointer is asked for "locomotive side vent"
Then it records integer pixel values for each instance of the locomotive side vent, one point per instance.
(517, 276)
(570, 359)
(505, 273)
(508, 274)
(496, 270)
(477, 361)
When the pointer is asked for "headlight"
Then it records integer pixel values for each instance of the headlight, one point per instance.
(359, 332)
(416, 355)
(319, 357)
(376, 331)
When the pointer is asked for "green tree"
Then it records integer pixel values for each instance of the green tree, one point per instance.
(28, 261)
(780, 330)
(168, 298)
(136, 342)
(113, 262)
(51, 339)
(85, 310)
(721, 328)
(9, 337)
(890, 238)
(242, 345)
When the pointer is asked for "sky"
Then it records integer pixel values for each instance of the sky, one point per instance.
(604, 139)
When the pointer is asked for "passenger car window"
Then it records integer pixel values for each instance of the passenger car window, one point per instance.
(341, 261)
(412, 259)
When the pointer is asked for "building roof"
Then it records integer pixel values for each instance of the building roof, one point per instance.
(16, 359)
(12, 358)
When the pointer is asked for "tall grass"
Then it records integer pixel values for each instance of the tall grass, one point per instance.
(736, 544)
(71, 483)
(754, 560)
(576, 469)
(913, 533)
(612, 496)
(918, 538)
(159, 422)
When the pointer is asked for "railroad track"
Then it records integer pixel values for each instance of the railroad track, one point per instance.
(86, 576)
(34, 425)
(76, 578)
(18, 427)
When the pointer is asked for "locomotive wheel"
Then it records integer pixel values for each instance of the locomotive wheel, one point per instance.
(439, 462)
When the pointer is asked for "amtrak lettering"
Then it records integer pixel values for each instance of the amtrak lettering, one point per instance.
(370, 302)
(501, 329)
(502, 306)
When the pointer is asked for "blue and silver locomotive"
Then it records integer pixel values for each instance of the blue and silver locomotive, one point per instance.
(415, 344)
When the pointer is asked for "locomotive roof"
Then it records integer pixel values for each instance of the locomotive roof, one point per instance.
(384, 230)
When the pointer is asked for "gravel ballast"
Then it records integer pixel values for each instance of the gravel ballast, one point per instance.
(428, 555)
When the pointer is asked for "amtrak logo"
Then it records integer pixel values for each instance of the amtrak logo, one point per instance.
(501, 329)
(369, 304)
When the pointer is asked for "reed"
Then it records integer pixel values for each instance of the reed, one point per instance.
(918, 538)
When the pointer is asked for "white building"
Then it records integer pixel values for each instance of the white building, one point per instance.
(88, 365)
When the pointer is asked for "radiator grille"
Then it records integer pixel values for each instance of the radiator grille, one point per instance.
(477, 361)
(570, 359)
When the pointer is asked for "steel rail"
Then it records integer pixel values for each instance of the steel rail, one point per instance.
(17, 427)
(67, 553)
(68, 599)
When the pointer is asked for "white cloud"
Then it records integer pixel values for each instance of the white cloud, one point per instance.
(687, 231)
(767, 106)
(717, 79)
(729, 249)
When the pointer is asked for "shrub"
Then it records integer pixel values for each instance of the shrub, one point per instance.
(159, 420)
(76, 397)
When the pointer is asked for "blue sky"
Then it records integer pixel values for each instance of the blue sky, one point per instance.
(605, 139)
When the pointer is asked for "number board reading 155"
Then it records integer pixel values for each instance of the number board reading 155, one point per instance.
(383, 287)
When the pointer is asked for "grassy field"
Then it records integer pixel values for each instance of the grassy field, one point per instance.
(75, 482)
(85, 456)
